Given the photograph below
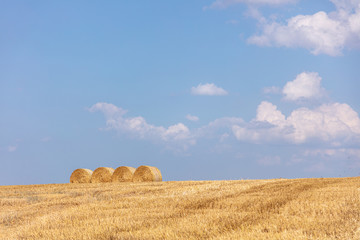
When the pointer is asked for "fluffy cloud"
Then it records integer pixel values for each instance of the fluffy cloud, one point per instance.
(330, 122)
(267, 112)
(307, 85)
(227, 3)
(336, 123)
(139, 128)
(192, 118)
(109, 110)
(321, 33)
(209, 89)
(175, 136)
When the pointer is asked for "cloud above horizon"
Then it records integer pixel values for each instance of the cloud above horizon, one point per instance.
(320, 33)
(336, 123)
(208, 89)
(332, 128)
(192, 118)
(323, 32)
(139, 128)
(306, 85)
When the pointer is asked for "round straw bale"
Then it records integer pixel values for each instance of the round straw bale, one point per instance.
(147, 174)
(123, 174)
(102, 174)
(81, 175)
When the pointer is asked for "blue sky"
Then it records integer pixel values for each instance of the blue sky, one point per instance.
(219, 89)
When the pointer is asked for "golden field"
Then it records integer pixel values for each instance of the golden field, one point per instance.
(241, 209)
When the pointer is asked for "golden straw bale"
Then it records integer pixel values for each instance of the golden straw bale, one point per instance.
(147, 174)
(81, 175)
(102, 174)
(123, 174)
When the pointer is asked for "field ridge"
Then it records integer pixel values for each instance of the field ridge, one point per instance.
(323, 208)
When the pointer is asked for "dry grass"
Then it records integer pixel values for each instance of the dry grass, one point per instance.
(123, 174)
(250, 209)
(81, 175)
(147, 174)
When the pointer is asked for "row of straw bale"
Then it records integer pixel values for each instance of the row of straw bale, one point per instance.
(120, 174)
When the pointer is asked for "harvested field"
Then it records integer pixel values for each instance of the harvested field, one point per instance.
(242, 209)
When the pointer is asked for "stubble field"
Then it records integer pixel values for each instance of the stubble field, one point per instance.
(241, 209)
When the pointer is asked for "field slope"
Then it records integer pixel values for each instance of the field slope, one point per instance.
(243, 209)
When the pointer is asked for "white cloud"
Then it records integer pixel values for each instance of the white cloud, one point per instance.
(267, 112)
(246, 134)
(138, 127)
(337, 124)
(329, 122)
(192, 118)
(321, 33)
(209, 89)
(227, 3)
(306, 85)
(109, 110)
(176, 132)
(174, 136)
